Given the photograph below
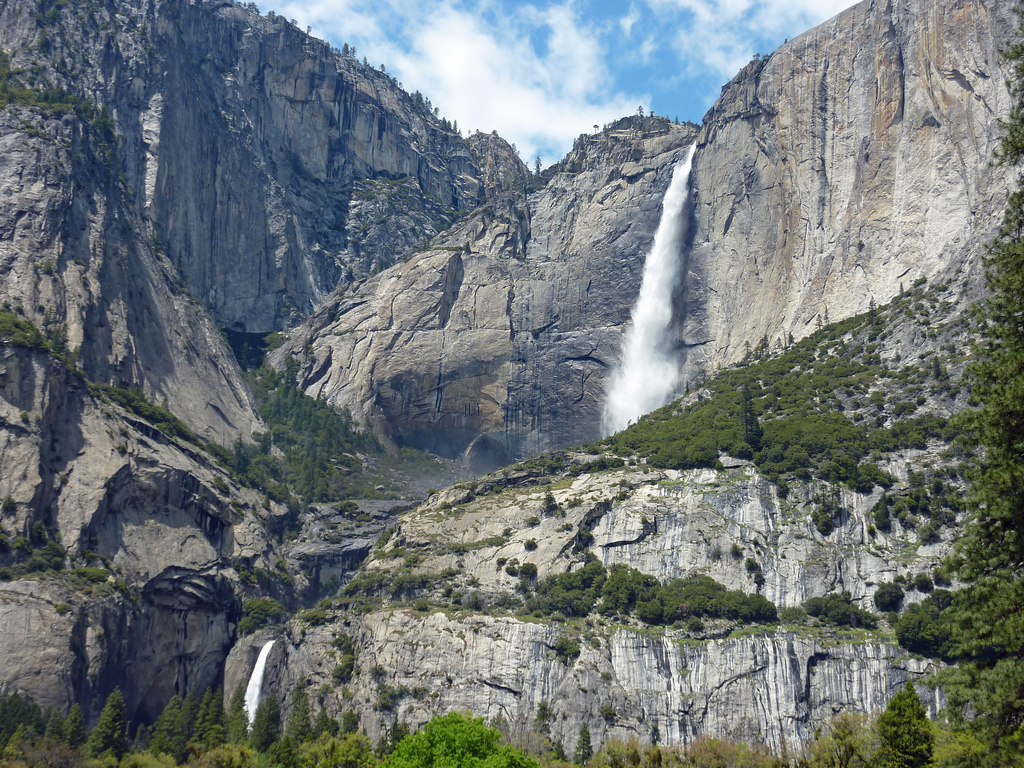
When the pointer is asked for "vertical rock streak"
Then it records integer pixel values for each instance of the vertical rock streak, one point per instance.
(255, 686)
(647, 377)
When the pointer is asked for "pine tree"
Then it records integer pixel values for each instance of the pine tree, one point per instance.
(266, 724)
(74, 727)
(238, 719)
(14, 750)
(211, 725)
(325, 724)
(108, 737)
(990, 555)
(190, 711)
(905, 734)
(583, 751)
(299, 727)
(55, 726)
(170, 735)
(349, 722)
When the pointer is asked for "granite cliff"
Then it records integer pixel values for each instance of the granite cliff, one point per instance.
(853, 160)
(174, 168)
(449, 610)
(153, 532)
(170, 169)
(822, 181)
(493, 342)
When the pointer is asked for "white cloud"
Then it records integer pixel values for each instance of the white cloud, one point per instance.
(544, 71)
(626, 22)
(720, 36)
(537, 75)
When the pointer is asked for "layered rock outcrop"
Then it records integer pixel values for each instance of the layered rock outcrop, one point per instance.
(668, 524)
(773, 688)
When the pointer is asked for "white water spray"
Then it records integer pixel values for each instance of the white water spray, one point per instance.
(255, 687)
(647, 377)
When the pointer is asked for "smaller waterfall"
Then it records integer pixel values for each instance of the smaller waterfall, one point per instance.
(648, 375)
(255, 687)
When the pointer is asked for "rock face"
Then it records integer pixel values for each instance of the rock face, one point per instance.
(774, 688)
(458, 305)
(242, 145)
(74, 259)
(200, 151)
(853, 159)
(153, 530)
(668, 524)
(437, 622)
(822, 181)
(496, 342)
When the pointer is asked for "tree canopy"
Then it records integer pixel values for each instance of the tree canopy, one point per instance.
(903, 730)
(456, 741)
(990, 555)
(109, 737)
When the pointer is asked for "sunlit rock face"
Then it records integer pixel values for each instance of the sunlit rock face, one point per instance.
(855, 158)
(163, 519)
(774, 688)
(498, 339)
(767, 684)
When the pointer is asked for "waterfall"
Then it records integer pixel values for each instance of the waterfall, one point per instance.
(648, 375)
(255, 687)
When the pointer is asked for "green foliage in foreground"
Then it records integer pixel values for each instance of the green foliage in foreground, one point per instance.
(19, 712)
(626, 591)
(989, 556)
(904, 732)
(455, 741)
(110, 736)
(192, 733)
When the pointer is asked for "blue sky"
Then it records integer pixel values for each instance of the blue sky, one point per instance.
(541, 73)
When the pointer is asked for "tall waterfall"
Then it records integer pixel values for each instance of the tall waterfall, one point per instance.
(255, 687)
(648, 375)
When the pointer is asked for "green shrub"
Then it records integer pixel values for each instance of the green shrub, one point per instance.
(315, 617)
(792, 615)
(839, 609)
(888, 597)
(258, 613)
(14, 331)
(567, 649)
(927, 628)
(923, 583)
(625, 590)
